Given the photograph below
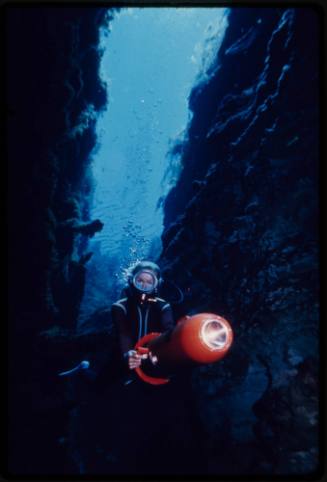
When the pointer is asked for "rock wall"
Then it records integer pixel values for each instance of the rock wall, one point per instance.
(53, 94)
(241, 238)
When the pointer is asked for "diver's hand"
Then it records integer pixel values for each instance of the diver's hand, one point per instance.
(134, 359)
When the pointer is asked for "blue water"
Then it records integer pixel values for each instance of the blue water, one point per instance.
(152, 58)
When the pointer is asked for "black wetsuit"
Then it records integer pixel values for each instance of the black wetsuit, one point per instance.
(133, 319)
(133, 419)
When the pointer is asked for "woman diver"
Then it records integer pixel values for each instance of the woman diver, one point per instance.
(141, 311)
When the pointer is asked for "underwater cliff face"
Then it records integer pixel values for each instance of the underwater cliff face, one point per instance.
(242, 238)
(52, 93)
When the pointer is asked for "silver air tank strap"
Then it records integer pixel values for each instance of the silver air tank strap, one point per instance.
(146, 321)
(140, 322)
(143, 327)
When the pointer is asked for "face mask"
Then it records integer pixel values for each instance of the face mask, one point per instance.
(145, 281)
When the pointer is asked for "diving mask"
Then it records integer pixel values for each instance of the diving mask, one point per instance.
(145, 281)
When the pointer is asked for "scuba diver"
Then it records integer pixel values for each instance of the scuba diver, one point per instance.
(123, 412)
(138, 313)
(141, 311)
(145, 334)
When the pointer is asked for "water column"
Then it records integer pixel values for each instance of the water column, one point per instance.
(152, 58)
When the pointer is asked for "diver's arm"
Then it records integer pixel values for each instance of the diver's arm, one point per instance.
(167, 319)
(130, 356)
(120, 321)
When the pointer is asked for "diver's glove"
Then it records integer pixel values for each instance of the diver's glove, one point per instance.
(135, 358)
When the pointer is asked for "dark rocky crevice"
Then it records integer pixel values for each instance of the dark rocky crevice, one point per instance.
(53, 93)
(240, 239)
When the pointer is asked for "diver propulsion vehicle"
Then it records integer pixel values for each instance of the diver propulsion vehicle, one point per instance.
(199, 339)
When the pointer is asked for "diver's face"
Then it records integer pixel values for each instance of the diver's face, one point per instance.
(145, 282)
